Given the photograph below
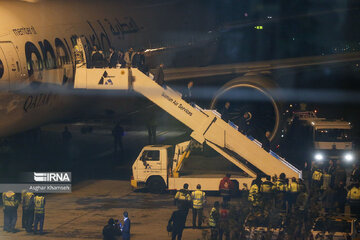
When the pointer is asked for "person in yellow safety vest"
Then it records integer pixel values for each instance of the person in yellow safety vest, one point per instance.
(28, 210)
(254, 195)
(214, 220)
(353, 198)
(294, 189)
(79, 57)
(198, 199)
(10, 204)
(280, 188)
(266, 191)
(183, 199)
(39, 213)
(316, 179)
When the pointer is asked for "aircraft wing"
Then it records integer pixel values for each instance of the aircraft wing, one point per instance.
(172, 74)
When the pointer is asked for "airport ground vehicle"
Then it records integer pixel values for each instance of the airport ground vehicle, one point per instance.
(336, 227)
(332, 140)
(319, 139)
(207, 128)
(158, 168)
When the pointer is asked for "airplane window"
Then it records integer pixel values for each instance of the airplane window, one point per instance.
(49, 55)
(1, 69)
(33, 59)
(62, 53)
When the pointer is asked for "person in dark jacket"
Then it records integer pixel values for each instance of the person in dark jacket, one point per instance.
(97, 58)
(225, 114)
(111, 230)
(126, 227)
(159, 75)
(120, 60)
(113, 58)
(340, 175)
(355, 173)
(118, 133)
(142, 64)
(187, 94)
(177, 219)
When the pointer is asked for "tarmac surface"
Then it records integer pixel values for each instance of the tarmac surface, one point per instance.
(83, 213)
(101, 186)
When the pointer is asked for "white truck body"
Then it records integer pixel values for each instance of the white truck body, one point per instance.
(332, 139)
(156, 162)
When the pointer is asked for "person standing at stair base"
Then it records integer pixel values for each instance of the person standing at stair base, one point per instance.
(198, 198)
(226, 187)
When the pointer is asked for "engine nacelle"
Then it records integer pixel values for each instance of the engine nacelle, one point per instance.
(255, 88)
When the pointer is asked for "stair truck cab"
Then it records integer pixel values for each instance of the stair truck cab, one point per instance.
(159, 168)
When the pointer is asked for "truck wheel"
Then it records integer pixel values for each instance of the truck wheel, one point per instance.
(156, 185)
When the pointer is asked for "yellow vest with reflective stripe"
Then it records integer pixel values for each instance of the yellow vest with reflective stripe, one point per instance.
(280, 186)
(254, 195)
(9, 199)
(212, 221)
(180, 195)
(354, 194)
(317, 175)
(198, 197)
(39, 204)
(266, 187)
(254, 191)
(294, 187)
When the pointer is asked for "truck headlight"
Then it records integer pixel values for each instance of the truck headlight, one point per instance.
(319, 157)
(349, 157)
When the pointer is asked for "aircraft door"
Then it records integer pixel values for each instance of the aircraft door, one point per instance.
(11, 64)
(81, 52)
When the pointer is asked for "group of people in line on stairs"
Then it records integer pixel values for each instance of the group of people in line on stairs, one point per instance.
(33, 211)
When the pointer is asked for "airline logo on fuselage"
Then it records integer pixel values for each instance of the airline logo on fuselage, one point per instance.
(106, 79)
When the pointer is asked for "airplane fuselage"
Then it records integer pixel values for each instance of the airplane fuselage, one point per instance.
(36, 50)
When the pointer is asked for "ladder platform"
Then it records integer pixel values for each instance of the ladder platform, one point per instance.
(207, 125)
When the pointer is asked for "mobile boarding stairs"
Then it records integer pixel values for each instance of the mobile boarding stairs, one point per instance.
(207, 125)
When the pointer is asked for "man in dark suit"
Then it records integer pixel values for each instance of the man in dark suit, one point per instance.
(187, 93)
(225, 112)
(126, 228)
(159, 75)
(113, 57)
(178, 219)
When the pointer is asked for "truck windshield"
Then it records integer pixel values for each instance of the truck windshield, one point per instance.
(333, 226)
(333, 135)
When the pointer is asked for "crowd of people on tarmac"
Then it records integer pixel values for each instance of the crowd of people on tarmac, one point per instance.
(291, 205)
(33, 211)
